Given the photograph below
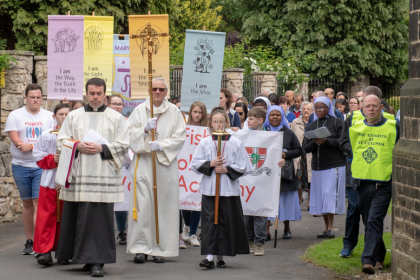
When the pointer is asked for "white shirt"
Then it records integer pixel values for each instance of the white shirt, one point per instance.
(29, 128)
(236, 157)
(46, 145)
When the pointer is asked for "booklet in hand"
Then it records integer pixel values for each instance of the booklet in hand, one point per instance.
(321, 132)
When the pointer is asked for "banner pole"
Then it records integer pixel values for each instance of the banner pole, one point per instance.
(275, 232)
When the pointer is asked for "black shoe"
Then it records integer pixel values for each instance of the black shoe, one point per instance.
(287, 235)
(140, 258)
(268, 237)
(29, 248)
(330, 234)
(221, 264)
(96, 270)
(87, 267)
(158, 259)
(308, 208)
(122, 236)
(322, 235)
(63, 262)
(207, 264)
(45, 259)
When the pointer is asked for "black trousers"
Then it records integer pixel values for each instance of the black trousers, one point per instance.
(373, 202)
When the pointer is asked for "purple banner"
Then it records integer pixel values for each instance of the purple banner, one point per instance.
(65, 57)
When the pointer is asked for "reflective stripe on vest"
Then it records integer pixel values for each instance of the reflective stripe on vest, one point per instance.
(372, 150)
(358, 116)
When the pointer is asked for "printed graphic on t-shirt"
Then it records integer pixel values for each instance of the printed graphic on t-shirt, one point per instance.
(33, 131)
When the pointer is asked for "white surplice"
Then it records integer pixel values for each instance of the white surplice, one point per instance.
(97, 179)
(171, 130)
(235, 156)
(46, 145)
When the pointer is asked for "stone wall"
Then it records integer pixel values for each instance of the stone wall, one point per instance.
(406, 166)
(234, 79)
(359, 85)
(265, 80)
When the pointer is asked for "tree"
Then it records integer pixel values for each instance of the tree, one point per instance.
(25, 22)
(351, 38)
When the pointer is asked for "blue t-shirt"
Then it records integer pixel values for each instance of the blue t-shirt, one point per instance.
(290, 117)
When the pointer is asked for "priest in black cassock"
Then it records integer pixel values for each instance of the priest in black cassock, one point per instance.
(87, 226)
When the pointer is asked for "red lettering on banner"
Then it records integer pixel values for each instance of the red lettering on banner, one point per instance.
(185, 162)
(129, 184)
(249, 193)
(183, 183)
(190, 161)
(198, 138)
(193, 183)
(242, 187)
(192, 137)
(125, 177)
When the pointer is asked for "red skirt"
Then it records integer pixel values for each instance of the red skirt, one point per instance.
(47, 229)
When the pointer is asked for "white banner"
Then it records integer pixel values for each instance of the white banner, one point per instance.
(127, 183)
(260, 191)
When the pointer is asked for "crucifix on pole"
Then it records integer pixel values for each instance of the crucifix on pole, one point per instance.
(149, 38)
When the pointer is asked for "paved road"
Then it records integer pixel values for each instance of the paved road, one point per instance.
(280, 263)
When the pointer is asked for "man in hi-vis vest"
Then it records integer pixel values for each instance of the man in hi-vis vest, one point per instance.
(372, 140)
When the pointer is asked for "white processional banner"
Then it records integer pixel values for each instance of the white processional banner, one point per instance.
(127, 183)
(260, 191)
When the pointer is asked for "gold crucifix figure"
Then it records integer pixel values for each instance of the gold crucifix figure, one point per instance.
(149, 38)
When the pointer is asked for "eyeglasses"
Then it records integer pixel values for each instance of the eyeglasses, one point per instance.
(320, 108)
(116, 104)
(159, 89)
(240, 113)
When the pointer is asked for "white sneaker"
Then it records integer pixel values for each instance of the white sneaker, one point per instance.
(186, 233)
(182, 244)
(251, 246)
(194, 241)
(259, 250)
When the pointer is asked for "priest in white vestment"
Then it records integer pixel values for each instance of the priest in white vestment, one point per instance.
(87, 228)
(170, 128)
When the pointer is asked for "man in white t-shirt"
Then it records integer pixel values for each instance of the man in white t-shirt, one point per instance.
(25, 126)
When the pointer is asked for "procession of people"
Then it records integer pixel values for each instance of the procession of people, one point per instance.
(70, 177)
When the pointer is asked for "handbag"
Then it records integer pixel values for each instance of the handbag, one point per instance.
(287, 170)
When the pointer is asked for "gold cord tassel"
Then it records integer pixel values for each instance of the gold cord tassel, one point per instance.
(135, 190)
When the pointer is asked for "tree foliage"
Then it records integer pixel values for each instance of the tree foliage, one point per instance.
(30, 17)
(350, 38)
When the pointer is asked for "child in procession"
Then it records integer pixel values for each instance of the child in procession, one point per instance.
(228, 237)
(197, 117)
(47, 228)
(256, 225)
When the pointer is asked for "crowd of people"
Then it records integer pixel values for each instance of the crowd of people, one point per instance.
(69, 218)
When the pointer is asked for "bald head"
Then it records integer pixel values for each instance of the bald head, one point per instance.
(289, 94)
(372, 108)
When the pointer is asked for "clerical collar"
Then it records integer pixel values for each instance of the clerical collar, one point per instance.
(90, 109)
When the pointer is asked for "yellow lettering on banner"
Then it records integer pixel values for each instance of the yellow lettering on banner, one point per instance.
(139, 63)
(98, 53)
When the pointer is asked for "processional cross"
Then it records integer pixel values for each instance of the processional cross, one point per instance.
(149, 37)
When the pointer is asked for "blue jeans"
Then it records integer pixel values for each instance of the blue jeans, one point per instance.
(27, 180)
(352, 219)
(256, 229)
(191, 219)
(121, 218)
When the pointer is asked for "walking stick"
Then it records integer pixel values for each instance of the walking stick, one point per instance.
(219, 153)
(149, 36)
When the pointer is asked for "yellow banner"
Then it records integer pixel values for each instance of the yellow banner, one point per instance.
(98, 41)
(139, 63)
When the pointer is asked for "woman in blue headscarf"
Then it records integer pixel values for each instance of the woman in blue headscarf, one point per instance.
(328, 182)
(289, 209)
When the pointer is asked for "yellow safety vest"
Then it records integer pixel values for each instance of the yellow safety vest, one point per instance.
(358, 116)
(372, 150)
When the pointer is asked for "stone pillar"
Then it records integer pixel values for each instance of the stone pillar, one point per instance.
(233, 80)
(303, 88)
(263, 80)
(17, 78)
(358, 86)
(41, 74)
(406, 166)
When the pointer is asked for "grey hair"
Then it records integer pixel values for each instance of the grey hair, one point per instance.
(306, 103)
(267, 90)
(299, 95)
(160, 79)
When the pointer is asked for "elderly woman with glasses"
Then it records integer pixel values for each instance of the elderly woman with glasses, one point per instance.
(328, 182)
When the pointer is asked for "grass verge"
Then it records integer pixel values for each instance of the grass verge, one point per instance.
(389, 208)
(327, 254)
